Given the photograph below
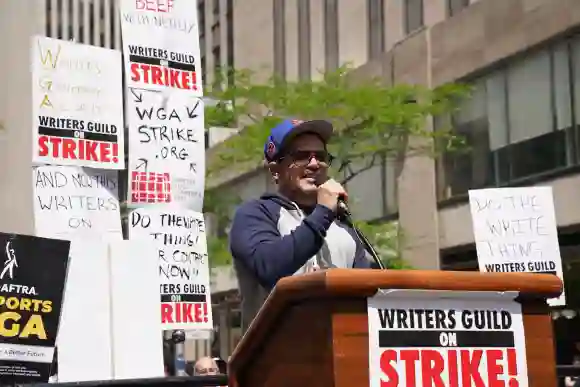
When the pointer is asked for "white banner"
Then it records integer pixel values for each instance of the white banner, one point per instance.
(76, 104)
(185, 297)
(72, 202)
(432, 338)
(166, 148)
(161, 45)
(515, 230)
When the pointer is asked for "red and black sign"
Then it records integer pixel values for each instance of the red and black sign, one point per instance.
(161, 72)
(440, 358)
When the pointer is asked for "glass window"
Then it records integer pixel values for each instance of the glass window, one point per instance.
(518, 123)
(454, 6)
(413, 15)
(529, 97)
(376, 28)
(331, 46)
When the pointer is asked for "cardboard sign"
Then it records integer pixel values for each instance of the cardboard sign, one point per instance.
(161, 45)
(515, 230)
(72, 203)
(180, 238)
(166, 149)
(420, 338)
(77, 104)
(32, 281)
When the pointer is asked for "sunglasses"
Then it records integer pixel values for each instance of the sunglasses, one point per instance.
(303, 157)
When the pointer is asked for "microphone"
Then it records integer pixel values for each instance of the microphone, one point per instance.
(343, 210)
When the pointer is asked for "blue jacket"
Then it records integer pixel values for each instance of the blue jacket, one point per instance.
(272, 238)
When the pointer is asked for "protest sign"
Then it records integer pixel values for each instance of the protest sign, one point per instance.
(32, 281)
(136, 344)
(420, 338)
(72, 202)
(86, 307)
(77, 104)
(180, 238)
(161, 45)
(166, 148)
(515, 231)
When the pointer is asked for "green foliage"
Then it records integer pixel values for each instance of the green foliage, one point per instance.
(386, 238)
(369, 117)
(219, 204)
(372, 122)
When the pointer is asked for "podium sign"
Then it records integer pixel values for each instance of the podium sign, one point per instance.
(443, 338)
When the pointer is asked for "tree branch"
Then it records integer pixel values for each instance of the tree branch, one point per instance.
(353, 174)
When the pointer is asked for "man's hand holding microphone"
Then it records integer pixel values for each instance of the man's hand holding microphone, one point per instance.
(332, 195)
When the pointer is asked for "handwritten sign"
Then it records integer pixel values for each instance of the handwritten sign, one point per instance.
(166, 148)
(515, 231)
(183, 265)
(72, 202)
(77, 105)
(419, 338)
(161, 45)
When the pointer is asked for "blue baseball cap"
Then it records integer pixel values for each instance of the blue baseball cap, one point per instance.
(282, 133)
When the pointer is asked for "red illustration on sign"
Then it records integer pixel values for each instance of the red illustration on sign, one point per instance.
(150, 187)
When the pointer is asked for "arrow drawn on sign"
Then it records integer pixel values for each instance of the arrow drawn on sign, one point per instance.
(143, 164)
(192, 167)
(193, 112)
(138, 97)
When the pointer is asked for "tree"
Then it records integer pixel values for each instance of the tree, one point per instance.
(373, 122)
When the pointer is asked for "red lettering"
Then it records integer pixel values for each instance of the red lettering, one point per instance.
(104, 154)
(174, 78)
(68, 149)
(185, 80)
(156, 76)
(180, 312)
(453, 374)
(56, 143)
(409, 357)
(432, 365)
(42, 146)
(392, 377)
(166, 315)
(75, 149)
(154, 5)
(470, 375)
(135, 76)
(198, 313)
(187, 312)
(163, 76)
(493, 368)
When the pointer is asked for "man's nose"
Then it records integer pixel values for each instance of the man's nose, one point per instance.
(313, 162)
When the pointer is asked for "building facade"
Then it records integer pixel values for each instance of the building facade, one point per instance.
(523, 59)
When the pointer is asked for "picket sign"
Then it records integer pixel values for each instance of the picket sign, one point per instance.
(446, 338)
(110, 290)
(515, 230)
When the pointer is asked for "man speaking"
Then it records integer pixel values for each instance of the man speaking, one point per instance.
(296, 230)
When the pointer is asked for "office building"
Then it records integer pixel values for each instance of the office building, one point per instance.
(523, 57)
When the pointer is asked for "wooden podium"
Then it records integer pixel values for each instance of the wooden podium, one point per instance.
(313, 329)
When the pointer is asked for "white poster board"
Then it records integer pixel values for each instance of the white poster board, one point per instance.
(77, 104)
(183, 269)
(74, 202)
(84, 341)
(166, 148)
(515, 230)
(432, 338)
(161, 45)
(136, 340)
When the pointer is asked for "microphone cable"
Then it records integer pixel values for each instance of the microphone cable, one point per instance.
(345, 215)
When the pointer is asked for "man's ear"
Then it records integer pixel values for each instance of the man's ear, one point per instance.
(274, 168)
